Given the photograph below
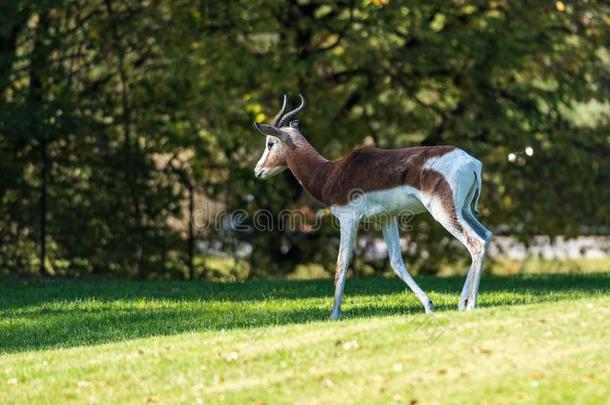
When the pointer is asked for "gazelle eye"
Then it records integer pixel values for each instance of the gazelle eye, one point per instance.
(270, 145)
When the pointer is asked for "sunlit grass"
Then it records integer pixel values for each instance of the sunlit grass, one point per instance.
(536, 338)
(543, 266)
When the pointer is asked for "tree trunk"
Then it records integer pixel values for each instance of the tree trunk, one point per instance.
(191, 236)
(131, 145)
(44, 155)
(35, 101)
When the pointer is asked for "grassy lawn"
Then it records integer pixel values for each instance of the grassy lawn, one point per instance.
(542, 338)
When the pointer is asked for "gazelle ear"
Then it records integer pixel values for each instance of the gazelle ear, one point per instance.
(294, 124)
(267, 129)
(270, 130)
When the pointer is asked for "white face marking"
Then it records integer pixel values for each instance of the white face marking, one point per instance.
(272, 145)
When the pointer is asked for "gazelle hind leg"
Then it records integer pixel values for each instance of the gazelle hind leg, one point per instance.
(468, 298)
(469, 216)
(392, 240)
(444, 211)
(470, 290)
(467, 201)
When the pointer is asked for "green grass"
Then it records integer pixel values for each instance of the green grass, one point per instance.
(541, 338)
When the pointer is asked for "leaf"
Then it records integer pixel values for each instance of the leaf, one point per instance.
(380, 3)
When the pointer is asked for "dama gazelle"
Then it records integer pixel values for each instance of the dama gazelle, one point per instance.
(371, 182)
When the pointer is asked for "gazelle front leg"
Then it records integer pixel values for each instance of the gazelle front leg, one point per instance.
(348, 225)
(392, 240)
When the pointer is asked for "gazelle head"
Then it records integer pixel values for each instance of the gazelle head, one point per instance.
(279, 142)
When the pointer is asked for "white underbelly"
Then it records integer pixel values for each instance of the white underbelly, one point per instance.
(403, 200)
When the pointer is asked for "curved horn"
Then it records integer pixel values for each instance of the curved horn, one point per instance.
(291, 113)
(278, 116)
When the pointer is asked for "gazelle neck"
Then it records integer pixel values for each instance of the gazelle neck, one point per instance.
(309, 167)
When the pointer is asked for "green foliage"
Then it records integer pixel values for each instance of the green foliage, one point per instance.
(116, 110)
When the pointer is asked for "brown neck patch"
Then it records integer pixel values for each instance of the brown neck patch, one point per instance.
(309, 167)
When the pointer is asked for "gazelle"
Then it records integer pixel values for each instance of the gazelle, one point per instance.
(382, 183)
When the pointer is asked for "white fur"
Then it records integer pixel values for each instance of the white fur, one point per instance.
(398, 200)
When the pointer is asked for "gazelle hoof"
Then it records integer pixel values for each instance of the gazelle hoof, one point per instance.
(334, 317)
(429, 308)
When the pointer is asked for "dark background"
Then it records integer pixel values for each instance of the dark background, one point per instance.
(120, 120)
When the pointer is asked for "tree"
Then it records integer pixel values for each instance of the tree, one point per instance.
(115, 113)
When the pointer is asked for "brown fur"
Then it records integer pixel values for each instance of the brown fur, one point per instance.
(435, 183)
(366, 169)
(277, 159)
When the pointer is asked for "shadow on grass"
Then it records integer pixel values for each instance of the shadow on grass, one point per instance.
(47, 314)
